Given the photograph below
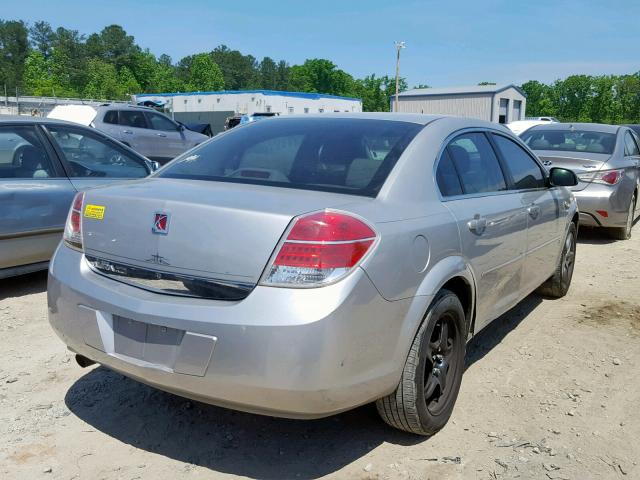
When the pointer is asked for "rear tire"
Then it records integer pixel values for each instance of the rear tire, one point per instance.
(558, 284)
(423, 401)
(624, 233)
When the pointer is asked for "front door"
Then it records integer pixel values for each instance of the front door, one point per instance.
(545, 207)
(491, 220)
(171, 140)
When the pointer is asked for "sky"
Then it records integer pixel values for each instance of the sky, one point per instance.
(449, 43)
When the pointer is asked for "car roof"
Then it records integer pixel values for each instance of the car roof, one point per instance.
(38, 120)
(589, 127)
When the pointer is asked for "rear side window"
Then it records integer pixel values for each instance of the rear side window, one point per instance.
(630, 147)
(476, 164)
(525, 172)
(22, 155)
(343, 155)
(447, 177)
(132, 118)
(111, 117)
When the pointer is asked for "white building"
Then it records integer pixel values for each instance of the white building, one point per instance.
(495, 103)
(252, 101)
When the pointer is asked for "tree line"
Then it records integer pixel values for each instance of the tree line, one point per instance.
(583, 98)
(40, 60)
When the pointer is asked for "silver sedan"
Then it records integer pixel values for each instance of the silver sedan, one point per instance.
(606, 159)
(302, 266)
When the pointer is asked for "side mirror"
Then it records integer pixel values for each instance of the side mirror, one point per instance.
(562, 177)
(154, 165)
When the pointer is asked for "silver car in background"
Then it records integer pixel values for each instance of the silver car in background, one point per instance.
(43, 164)
(145, 130)
(304, 265)
(606, 159)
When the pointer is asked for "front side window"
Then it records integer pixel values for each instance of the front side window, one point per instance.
(524, 170)
(132, 118)
(160, 122)
(89, 155)
(338, 155)
(630, 147)
(570, 140)
(22, 155)
(476, 164)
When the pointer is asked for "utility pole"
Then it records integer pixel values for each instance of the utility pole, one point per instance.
(399, 46)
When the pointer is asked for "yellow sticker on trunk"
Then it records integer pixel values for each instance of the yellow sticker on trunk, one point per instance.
(94, 211)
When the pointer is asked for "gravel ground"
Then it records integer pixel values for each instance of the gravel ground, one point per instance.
(551, 391)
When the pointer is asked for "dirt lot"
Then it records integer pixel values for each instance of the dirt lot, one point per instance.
(552, 390)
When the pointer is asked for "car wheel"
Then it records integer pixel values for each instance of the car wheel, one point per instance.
(624, 233)
(423, 401)
(558, 284)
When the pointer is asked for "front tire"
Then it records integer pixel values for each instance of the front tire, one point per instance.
(624, 233)
(558, 284)
(423, 401)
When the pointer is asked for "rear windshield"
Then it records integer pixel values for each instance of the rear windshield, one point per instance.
(570, 140)
(343, 155)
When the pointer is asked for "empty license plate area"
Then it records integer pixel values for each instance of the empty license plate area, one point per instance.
(144, 341)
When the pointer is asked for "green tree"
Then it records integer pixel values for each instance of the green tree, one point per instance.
(204, 74)
(38, 78)
(240, 71)
(14, 49)
(268, 71)
(127, 83)
(114, 46)
(42, 37)
(102, 81)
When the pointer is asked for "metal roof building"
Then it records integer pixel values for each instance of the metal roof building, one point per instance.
(254, 101)
(495, 103)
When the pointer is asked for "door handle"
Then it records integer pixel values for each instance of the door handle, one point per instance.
(161, 134)
(478, 225)
(534, 211)
(127, 131)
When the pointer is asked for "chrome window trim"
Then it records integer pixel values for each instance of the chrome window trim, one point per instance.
(483, 130)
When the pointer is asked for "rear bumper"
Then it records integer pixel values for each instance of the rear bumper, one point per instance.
(284, 352)
(595, 199)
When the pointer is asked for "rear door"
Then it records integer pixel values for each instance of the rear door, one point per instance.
(35, 196)
(491, 220)
(135, 131)
(170, 139)
(91, 159)
(545, 208)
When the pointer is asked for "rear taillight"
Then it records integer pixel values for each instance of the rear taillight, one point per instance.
(320, 248)
(606, 177)
(73, 228)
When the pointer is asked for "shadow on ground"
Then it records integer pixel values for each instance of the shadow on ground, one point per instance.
(23, 285)
(496, 331)
(224, 440)
(244, 444)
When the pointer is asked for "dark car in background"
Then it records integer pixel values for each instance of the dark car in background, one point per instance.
(147, 131)
(43, 164)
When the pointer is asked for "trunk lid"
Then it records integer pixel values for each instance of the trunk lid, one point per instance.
(579, 162)
(215, 231)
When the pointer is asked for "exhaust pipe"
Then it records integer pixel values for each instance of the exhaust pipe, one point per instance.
(83, 361)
